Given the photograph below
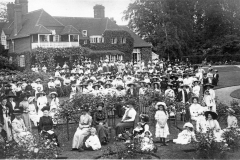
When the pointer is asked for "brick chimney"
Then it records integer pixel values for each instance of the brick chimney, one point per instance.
(99, 11)
(17, 18)
(10, 12)
(24, 4)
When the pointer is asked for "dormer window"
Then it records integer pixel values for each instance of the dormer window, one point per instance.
(84, 33)
(114, 40)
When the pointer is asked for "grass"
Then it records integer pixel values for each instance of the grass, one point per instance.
(228, 76)
(235, 94)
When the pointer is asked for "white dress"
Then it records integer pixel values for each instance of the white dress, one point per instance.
(184, 137)
(33, 114)
(195, 109)
(161, 118)
(213, 124)
(94, 142)
(41, 102)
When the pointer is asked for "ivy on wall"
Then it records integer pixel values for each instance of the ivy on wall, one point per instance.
(126, 48)
(146, 54)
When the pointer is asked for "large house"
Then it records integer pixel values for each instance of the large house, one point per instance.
(26, 31)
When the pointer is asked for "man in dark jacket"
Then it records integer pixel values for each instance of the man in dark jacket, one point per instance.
(215, 78)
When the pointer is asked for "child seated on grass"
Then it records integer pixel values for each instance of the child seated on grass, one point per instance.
(147, 142)
(186, 135)
(92, 143)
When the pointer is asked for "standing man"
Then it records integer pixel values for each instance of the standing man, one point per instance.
(215, 78)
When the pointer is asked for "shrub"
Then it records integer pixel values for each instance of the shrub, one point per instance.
(232, 137)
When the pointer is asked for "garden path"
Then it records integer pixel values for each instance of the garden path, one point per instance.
(223, 94)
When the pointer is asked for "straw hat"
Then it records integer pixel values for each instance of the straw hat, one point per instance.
(188, 124)
(30, 99)
(53, 93)
(161, 104)
(213, 114)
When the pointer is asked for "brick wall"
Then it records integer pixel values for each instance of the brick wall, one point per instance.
(22, 45)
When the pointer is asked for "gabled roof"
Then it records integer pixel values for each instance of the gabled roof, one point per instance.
(138, 42)
(41, 30)
(7, 31)
(94, 26)
(34, 22)
(69, 30)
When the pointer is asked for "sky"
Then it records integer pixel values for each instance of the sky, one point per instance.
(80, 8)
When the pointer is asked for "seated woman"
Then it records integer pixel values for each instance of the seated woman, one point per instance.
(18, 128)
(231, 119)
(212, 124)
(142, 125)
(100, 122)
(83, 129)
(186, 135)
(46, 126)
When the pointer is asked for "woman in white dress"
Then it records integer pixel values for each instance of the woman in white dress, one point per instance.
(195, 109)
(24, 105)
(161, 117)
(169, 93)
(41, 102)
(212, 124)
(82, 130)
(210, 103)
(32, 111)
(231, 119)
(54, 100)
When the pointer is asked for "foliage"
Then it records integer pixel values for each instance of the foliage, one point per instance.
(3, 11)
(5, 64)
(131, 150)
(208, 148)
(30, 148)
(126, 48)
(178, 28)
(232, 137)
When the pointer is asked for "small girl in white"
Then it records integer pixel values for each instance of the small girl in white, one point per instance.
(161, 117)
(186, 135)
(147, 142)
(32, 111)
(93, 142)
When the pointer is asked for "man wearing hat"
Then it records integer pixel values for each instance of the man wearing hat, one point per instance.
(118, 81)
(132, 91)
(128, 118)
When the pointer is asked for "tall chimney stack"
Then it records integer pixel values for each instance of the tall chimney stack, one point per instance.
(99, 11)
(10, 12)
(24, 4)
(17, 18)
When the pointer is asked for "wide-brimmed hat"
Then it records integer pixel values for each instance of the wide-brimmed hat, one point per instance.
(208, 84)
(156, 83)
(161, 104)
(51, 78)
(120, 87)
(130, 102)
(196, 81)
(118, 77)
(83, 85)
(19, 82)
(96, 84)
(213, 114)
(173, 76)
(195, 97)
(188, 124)
(45, 108)
(147, 131)
(100, 81)
(39, 93)
(30, 99)
(108, 84)
(17, 111)
(8, 85)
(170, 84)
(130, 84)
(11, 95)
(38, 80)
(100, 104)
(53, 93)
(90, 80)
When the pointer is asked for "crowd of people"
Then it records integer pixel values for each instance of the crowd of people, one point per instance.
(24, 100)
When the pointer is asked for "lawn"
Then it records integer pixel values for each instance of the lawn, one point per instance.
(235, 94)
(228, 76)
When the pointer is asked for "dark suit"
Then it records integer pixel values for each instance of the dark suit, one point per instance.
(9, 105)
(180, 96)
(134, 93)
(215, 79)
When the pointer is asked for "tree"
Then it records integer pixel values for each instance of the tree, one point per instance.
(180, 27)
(3, 11)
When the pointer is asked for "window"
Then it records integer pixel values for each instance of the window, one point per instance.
(74, 38)
(34, 38)
(114, 40)
(3, 40)
(56, 38)
(96, 39)
(85, 42)
(43, 38)
(123, 40)
(22, 61)
(84, 33)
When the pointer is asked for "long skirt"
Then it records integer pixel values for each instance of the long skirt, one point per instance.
(23, 138)
(162, 132)
(27, 121)
(102, 132)
(79, 136)
(7, 128)
(120, 128)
